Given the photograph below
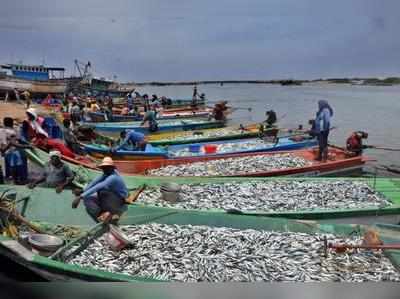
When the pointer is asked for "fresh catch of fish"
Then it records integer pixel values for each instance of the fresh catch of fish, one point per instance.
(228, 147)
(232, 166)
(218, 254)
(204, 134)
(271, 196)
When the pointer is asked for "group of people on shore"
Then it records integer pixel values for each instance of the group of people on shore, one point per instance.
(104, 197)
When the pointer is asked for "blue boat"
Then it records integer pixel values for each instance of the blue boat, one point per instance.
(196, 150)
(151, 152)
(163, 125)
(101, 117)
(228, 147)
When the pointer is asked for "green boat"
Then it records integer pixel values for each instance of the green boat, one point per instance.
(389, 188)
(51, 210)
(213, 135)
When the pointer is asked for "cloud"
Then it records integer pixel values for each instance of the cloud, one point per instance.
(188, 40)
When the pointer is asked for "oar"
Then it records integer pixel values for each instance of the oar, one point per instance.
(135, 195)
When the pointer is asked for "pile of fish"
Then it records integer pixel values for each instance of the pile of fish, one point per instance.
(201, 253)
(232, 166)
(271, 196)
(205, 134)
(228, 147)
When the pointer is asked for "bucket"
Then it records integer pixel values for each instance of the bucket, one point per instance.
(44, 244)
(194, 148)
(116, 238)
(170, 192)
(210, 148)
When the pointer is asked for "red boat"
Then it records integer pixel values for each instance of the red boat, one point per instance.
(339, 161)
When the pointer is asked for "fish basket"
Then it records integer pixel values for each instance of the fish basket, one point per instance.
(194, 148)
(210, 148)
(116, 238)
(170, 192)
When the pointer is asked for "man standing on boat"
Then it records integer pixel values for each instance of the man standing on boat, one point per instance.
(194, 97)
(104, 198)
(322, 128)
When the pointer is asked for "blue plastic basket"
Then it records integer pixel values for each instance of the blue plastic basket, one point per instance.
(194, 148)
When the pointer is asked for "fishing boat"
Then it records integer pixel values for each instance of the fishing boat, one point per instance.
(175, 103)
(207, 135)
(101, 117)
(39, 80)
(257, 165)
(80, 232)
(218, 134)
(163, 126)
(389, 188)
(192, 152)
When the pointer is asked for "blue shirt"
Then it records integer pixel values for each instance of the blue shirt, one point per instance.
(113, 183)
(323, 120)
(132, 137)
(130, 101)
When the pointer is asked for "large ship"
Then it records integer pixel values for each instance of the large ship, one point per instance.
(39, 80)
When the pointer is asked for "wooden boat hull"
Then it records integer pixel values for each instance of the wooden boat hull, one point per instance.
(57, 269)
(338, 163)
(157, 153)
(387, 187)
(100, 117)
(56, 86)
(178, 138)
(115, 128)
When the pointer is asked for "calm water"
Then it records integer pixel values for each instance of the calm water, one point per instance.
(375, 110)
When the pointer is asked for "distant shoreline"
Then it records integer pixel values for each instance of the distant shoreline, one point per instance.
(354, 81)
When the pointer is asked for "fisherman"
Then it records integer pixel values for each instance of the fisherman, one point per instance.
(135, 111)
(219, 111)
(354, 143)
(15, 162)
(155, 101)
(131, 140)
(76, 113)
(164, 101)
(271, 119)
(322, 128)
(31, 128)
(194, 97)
(150, 117)
(129, 101)
(70, 139)
(27, 97)
(104, 198)
(86, 112)
(146, 100)
(94, 107)
(57, 174)
(17, 96)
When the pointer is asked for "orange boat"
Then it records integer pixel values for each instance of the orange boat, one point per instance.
(339, 161)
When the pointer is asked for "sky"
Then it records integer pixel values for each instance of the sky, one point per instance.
(184, 40)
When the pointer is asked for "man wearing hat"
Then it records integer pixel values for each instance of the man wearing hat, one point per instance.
(57, 174)
(104, 198)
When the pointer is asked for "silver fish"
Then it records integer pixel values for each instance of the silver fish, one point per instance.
(271, 196)
(218, 254)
